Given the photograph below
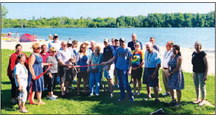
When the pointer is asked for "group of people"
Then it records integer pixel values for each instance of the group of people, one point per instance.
(88, 63)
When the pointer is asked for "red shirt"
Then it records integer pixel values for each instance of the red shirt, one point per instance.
(44, 56)
(13, 61)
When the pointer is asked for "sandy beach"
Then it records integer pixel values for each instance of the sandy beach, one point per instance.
(186, 54)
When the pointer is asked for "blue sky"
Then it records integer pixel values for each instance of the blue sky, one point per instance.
(93, 10)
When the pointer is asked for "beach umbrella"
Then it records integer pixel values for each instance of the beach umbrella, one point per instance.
(27, 38)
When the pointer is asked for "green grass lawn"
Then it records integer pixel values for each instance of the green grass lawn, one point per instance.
(73, 104)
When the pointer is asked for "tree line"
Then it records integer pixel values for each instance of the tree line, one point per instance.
(151, 20)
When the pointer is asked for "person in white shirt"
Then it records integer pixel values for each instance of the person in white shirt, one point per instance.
(165, 71)
(55, 43)
(64, 56)
(21, 80)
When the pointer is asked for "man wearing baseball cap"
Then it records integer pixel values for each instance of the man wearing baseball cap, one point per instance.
(109, 55)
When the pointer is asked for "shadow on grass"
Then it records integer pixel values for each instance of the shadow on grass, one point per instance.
(5, 101)
(7, 82)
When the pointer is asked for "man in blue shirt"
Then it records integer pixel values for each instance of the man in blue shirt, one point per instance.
(152, 65)
(123, 63)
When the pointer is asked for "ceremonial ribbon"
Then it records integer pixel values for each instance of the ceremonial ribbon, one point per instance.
(87, 65)
(30, 87)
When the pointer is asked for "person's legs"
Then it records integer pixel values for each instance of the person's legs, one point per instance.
(78, 84)
(50, 87)
(202, 86)
(139, 85)
(156, 92)
(91, 82)
(39, 93)
(126, 83)
(85, 81)
(134, 84)
(63, 78)
(172, 94)
(97, 79)
(179, 95)
(165, 79)
(108, 74)
(13, 89)
(196, 83)
(121, 84)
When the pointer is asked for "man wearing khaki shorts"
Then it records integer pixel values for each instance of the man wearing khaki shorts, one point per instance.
(165, 71)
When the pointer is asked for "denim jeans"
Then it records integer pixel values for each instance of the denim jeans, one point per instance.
(94, 80)
(200, 84)
(123, 83)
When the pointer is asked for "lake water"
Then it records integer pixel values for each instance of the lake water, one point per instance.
(185, 37)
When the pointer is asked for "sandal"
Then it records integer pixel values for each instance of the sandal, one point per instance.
(23, 111)
(196, 102)
(41, 103)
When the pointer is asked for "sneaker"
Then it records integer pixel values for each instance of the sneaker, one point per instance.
(173, 102)
(54, 96)
(71, 88)
(196, 102)
(138, 93)
(166, 94)
(177, 105)
(157, 101)
(202, 103)
(111, 94)
(97, 94)
(51, 98)
(131, 99)
(121, 99)
(91, 94)
(147, 98)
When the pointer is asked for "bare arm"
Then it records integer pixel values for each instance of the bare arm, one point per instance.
(31, 61)
(18, 80)
(206, 64)
(179, 63)
(109, 61)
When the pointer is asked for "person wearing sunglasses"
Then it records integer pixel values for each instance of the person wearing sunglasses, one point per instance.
(52, 73)
(36, 64)
(95, 71)
(137, 63)
(82, 71)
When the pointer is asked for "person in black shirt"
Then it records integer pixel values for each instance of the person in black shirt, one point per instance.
(200, 68)
(109, 54)
(131, 44)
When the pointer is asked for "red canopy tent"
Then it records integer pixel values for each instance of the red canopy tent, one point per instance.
(27, 38)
